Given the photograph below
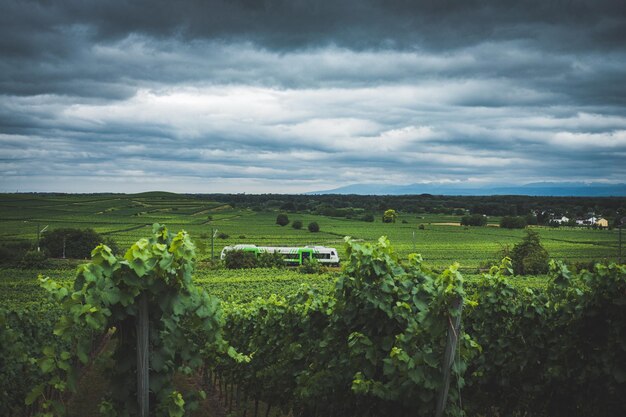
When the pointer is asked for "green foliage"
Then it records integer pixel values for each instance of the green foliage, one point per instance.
(311, 266)
(390, 216)
(13, 252)
(238, 259)
(270, 260)
(34, 259)
(558, 351)
(297, 224)
(314, 227)
(513, 222)
(374, 349)
(474, 220)
(282, 219)
(529, 257)
(103, 304)
(22, 333)
(369, 217)
(222, 235)
(78, 243)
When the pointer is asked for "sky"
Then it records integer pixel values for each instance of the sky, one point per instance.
(291, 96)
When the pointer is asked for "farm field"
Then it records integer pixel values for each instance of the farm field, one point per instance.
(126, 218)
(301, 328)
(21, 289)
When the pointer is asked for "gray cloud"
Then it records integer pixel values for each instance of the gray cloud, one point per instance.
(297, 96)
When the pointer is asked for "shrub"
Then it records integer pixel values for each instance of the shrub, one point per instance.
(297, 224)
(474, 220)
(513, 222)
(238, 259)
(223, 235)
(310, 266)
(13, 252)
(34, 259)
(390, 216)
(421, 227)
(529, 257)
(368, 218)
(314, 227)
(78, 242)
(282, 219)
(270, 260)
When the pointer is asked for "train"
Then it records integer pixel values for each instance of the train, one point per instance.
(291, 255)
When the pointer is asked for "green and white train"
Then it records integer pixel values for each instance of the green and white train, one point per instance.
(291, 255)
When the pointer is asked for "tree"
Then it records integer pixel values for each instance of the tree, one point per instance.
(297, 224)
(238, 259)
(73, 243)
(474, 220)
(390, 216)
(529, 256)
(513, 222)
(282, 219)
(369, 217)
(314, 227)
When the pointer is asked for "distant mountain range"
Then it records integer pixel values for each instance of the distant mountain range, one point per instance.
(544, 189)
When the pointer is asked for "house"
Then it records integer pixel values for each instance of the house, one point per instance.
(561, 220)
(601, 222)
(587, 221)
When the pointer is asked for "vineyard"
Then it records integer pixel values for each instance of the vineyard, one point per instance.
(438, 237)
(365, 341)
(368, 339)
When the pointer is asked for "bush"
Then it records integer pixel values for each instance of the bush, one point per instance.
(270, 260)
(78, 242)
(223, 235)
(529, 257)
(390, 216)
(368, 218)
(474, 220)
(297, 224)
(421, 227)
(513, 222)
(310, 266)
(13, 252)
(282, 219)
(34, 259)
(314, 227)
(238, 259)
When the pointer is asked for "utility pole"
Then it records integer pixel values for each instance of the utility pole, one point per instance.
(413, 241)
(619, 227)
(39, 232)
(213, 234)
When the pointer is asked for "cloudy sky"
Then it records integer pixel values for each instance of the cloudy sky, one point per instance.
(295, 96)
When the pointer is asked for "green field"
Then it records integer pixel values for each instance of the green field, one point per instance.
(127, 218)
(29, 318)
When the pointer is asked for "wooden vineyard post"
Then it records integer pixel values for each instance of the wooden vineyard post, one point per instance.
(143, 366)
(453, 338)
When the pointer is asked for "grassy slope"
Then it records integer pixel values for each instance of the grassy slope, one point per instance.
(127, 218)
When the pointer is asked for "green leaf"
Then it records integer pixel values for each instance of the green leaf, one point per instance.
(47, 365)
(34, 394)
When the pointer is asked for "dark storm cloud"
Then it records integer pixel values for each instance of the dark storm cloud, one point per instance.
(354, 23)
(300, 95)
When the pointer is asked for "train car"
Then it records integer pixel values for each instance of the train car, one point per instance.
(291, 255)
